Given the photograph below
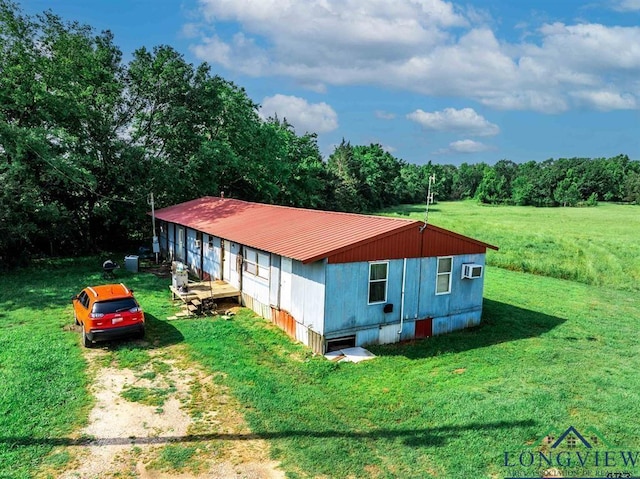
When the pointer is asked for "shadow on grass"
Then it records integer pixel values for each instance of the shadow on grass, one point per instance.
(500, 323)
(436, 436)
(407, 210)
(52, 283)
(159, 334)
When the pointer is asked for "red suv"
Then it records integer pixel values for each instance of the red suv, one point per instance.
(107, 312)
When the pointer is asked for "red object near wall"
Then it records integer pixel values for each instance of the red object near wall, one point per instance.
(424, 328)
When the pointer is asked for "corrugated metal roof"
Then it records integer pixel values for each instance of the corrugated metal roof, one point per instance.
(302, 234)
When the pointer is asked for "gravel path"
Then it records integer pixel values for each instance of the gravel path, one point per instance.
(188, 414)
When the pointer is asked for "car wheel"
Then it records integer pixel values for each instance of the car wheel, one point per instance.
(85, 340)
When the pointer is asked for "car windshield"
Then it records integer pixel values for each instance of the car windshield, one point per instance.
(114, 305)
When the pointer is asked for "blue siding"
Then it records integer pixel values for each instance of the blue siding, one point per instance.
(308, 293)
(348, 311)
(347, 297)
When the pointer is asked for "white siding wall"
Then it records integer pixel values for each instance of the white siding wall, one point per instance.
(307, 294)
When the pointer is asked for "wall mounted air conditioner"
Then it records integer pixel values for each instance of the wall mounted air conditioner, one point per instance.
(471, 271)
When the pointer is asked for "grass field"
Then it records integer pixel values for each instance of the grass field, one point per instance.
(549, 354)
(595, 246)
(43, 373)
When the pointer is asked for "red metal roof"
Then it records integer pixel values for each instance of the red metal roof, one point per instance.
(302, 234)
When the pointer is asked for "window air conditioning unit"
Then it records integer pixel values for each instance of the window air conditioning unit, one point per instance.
(471, 271)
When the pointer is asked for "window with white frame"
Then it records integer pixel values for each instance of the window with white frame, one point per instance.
(443, 277)
(256, 263)
(378, 273)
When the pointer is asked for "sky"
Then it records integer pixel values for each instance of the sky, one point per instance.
(429, 80)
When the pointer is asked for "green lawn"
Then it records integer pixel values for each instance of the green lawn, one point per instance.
(43, 375)
(549, 354)
(597, 246)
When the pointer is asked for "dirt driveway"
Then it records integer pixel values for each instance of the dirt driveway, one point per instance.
(162, 418)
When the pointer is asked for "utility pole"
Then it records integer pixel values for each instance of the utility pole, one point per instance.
(156, 244)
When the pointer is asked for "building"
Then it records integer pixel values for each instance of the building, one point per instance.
(331, 279)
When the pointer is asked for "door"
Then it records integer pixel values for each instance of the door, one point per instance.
(230, 266)
(285, 283)
(424, 328)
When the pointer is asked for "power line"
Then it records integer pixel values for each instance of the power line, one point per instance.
(80, 184)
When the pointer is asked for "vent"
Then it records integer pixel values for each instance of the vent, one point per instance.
(471, 271)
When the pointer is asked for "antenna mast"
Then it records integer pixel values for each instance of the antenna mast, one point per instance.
(432, 180)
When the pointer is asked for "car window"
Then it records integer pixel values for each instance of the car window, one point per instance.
(83, 299)
(114, 305)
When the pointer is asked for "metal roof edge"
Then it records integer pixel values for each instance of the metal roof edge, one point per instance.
(351, 246)
(461, 236)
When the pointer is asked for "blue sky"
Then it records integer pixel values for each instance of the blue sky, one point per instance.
(429, 80)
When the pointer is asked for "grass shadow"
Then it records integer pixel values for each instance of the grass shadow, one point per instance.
(434, 436)
(51, 283)
(158, 334)
(408, 210)
(501, 322)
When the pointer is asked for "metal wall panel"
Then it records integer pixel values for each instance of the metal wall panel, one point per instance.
(347, 299)
(164, 239)
(389, 334)
(211, 262)
(284, 321)
(308, 294)
(315, 342)
(404, 244)
(194, 252)
(171, 230)
(274, 281)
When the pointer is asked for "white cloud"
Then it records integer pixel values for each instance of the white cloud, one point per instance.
(304, 116)
(468, 146)
(450, 119)
(463, 147)
(430, 47)
(626, 5)
(385, 115)
(606, 100)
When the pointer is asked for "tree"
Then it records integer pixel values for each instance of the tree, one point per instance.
(567, 193)
(60, 94)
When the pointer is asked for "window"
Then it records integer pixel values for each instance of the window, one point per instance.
(180, 237)
(210, 242)
(83, 299)
(378, 282)
(443, 279)
(256, 263)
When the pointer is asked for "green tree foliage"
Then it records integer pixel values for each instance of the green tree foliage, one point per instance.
(84, 138)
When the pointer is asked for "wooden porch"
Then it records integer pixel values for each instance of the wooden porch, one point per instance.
(200, 297)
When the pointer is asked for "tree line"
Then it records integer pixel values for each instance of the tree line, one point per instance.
(85, 137)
